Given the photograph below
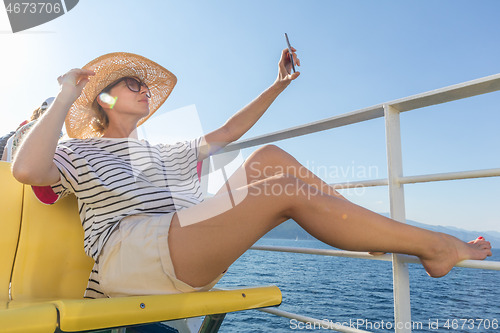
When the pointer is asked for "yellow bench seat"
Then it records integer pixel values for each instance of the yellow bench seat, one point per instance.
(37, 318)
(44, 273)
(75, 315)
(83, 315)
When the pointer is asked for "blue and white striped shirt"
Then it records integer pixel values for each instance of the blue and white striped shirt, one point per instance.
(115, 178)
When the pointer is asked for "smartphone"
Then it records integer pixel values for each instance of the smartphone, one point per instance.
(290, 52)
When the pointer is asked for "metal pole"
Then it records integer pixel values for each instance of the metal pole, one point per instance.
(119, 330)
(401, 278)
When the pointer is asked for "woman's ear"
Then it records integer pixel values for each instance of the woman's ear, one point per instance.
(100, 102)
(106, 101)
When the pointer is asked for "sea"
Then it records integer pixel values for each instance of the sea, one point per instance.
(358, 293)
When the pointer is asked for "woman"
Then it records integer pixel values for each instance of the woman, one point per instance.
(144, 221)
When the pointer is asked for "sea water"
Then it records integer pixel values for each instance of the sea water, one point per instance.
(358, 293)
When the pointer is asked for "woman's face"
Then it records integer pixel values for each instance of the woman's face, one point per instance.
(128, 100)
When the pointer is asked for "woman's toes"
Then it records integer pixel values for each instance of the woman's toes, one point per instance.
(480, 238)
(482, 248)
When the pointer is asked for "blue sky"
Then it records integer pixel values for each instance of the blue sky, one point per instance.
(354, 54)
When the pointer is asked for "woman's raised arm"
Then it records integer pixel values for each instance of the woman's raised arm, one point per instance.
(33, 163)
(236, 126)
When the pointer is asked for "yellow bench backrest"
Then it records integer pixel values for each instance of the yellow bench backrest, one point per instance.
(43, 257)
(11, 198)
(50, 260)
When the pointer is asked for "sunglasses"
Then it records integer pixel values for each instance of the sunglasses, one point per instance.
(132, 83)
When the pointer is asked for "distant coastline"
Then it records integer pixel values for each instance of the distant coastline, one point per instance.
(291, 230)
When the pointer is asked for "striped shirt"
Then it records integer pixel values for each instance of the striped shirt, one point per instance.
(115, 178)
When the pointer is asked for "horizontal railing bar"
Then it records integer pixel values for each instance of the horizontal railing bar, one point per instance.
(450, 176)
(281, 313)
(454, 92)
(478, 264)
(361, 183)
(447, 94)
(313, 127)
(323, 252)
(483, 173)
(323, 324)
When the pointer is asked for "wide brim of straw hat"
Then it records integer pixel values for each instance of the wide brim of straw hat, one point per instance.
(109, 68)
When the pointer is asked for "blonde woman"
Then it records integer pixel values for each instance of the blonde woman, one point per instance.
(145, 222)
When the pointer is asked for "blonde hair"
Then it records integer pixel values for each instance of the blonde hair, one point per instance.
(100, 121)
(36, 114)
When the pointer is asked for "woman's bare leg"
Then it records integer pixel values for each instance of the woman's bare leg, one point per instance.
(206, 239)
(270, 160)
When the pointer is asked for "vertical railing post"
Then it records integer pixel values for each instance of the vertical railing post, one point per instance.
(401, 279)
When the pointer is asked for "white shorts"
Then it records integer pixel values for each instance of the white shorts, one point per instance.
(136, 259)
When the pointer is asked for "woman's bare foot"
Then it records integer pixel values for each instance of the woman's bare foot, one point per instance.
(450, 250)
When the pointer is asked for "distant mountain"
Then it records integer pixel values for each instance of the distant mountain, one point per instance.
(291, 230)
(288, 230)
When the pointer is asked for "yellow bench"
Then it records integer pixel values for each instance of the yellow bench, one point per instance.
(44, 272)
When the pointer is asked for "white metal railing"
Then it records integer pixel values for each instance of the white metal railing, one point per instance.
(423, 178)
(478, 264)
(443, 95)
(315, 323)
(391, 112)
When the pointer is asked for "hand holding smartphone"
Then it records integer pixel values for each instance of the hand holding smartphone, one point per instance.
(290, 52)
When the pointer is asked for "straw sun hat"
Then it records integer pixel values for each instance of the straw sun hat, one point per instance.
(81, 118)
